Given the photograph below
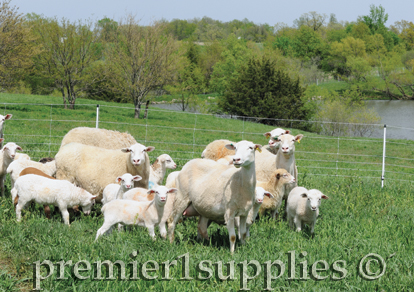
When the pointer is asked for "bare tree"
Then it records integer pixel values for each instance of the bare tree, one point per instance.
(312, 19)
(142, 59)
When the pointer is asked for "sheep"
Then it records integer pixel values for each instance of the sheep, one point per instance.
(128, 212)
(2, 120)
(47, 191)
(159, 168)
(277, 183)
(21, 156)
(303, 207)
(273, 146)
(170, 182)
(260, 194)
(93, 168)
(116, 191)
(218, 192)
(46, 159)
(15, 168)
(216, 150)
(7, 155)
(98, 137)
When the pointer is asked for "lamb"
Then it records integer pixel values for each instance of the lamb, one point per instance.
(7, 155)
(16, 167)
(47, 191)
(273, 145)
(303, 207)
(116, 191)
(159, 168)
(218, 192)
(98, 137)
(261, 193)
(93, 168)
(277, 184)
(148, 214)
(2, 120)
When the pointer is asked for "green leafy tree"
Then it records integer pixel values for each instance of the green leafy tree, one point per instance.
(308, 43)
(262, 91)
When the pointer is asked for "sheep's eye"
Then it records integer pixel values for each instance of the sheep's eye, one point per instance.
(168, 160)
(275, 138)
(251, 148)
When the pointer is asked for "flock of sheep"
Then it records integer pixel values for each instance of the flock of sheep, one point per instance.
(230, 184)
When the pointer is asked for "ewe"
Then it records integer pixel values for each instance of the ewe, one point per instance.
(7, 155)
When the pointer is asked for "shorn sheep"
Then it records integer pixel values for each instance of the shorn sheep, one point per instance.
(98, 137)
(273, 145)
(7, 155)
(93, 168)
(2, 120)
(159, 168)
(47, 191)
(218, 192)
(147, 214)
(116, 191)
(18, 165)
(303, 207)
(217, 149)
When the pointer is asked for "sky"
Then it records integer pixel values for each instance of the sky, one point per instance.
(258, 11)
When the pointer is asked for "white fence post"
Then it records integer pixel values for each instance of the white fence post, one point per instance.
(97, 116)
(383, 157)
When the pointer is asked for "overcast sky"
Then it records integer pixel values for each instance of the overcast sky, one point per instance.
(258, 11)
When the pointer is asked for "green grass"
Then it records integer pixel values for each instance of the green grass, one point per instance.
(358, 219)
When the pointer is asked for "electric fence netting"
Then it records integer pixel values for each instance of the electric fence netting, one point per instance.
(39, 129)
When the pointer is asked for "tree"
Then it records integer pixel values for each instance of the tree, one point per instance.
(142, 59)
(69, 50)
(17, 45)
(262, 91)
(312, 19)
(376, 19)
(308, 43)
(407, 35)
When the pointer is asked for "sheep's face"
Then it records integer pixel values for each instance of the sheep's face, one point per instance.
(89, 203)
(161, 194)
(273, 135)
(284, 177)
(260, 194)
(314, 199)
(127, 180)
(287, 143)
(244, 152)
(3, 118)
(10, 149)
(137, 153)
(169, 163)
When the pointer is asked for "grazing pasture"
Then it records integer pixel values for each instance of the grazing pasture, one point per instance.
(358, 219)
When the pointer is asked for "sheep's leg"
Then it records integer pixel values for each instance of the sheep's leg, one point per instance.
(151, 231)
(47, 211)
(298, 223)
(242, 228)
(312, 226)
(229, 219)
(180, 204)
(203, 224)
(19, 207)
(120, 227)
(15, 196)
(105, 227)
(237, 225)
(65, 214)
(290, 222)
(275, 214)
(163, 229)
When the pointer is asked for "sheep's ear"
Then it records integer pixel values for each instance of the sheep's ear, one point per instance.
(277, 175)
(19, 148)
(287, 132)
(8, 117)
(298, 137)
(136, 178)
(324, 197)
(172, 190)
(118, 179)
(93, 198)
(150, 192)
(267, 135)
(258, 147)
(126, 150)
(149, 148)
(304, 195)
(269, 195)
(1, 140)
(5, 148)
(230, 146)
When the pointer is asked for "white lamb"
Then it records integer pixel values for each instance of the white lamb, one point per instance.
(45, 191)
(2, 120)
(93, 168)
(18, 165)
(7, 155)
(303, 207)
(116, 191)
(159, 168)
(218, 192)
(147, 214)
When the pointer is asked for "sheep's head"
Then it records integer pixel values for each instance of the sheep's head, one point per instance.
(137, 153)
(273, 135)
(260, 194)
(167, 160)
(283, 177)
(10, 149)
(88, 203)
(245, 151)
(314, 198)
(287, 143)
(127, 180)
(161, 193)
(3, 118)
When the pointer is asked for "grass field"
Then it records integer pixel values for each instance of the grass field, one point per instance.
(359, 218)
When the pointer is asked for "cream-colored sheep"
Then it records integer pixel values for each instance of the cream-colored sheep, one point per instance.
(276, 185)
(159, 168)
(170, 182)
(93, 168)
(18, 165)
(98, 137)
(7, 155)
(2, 120)
(217, 149)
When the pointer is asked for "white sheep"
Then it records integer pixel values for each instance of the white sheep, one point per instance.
(18, 165)
(276, 184)
(21, 156)
(116, 191)
(98, 137)
(159, 168)
(260, 194)
(7, 155)
(217, 149)
(170, 182)
(93, 168)
(45, 191)
(128, 212)
(218, 192)
(273, 145)
(303, 207)
(2, 120)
